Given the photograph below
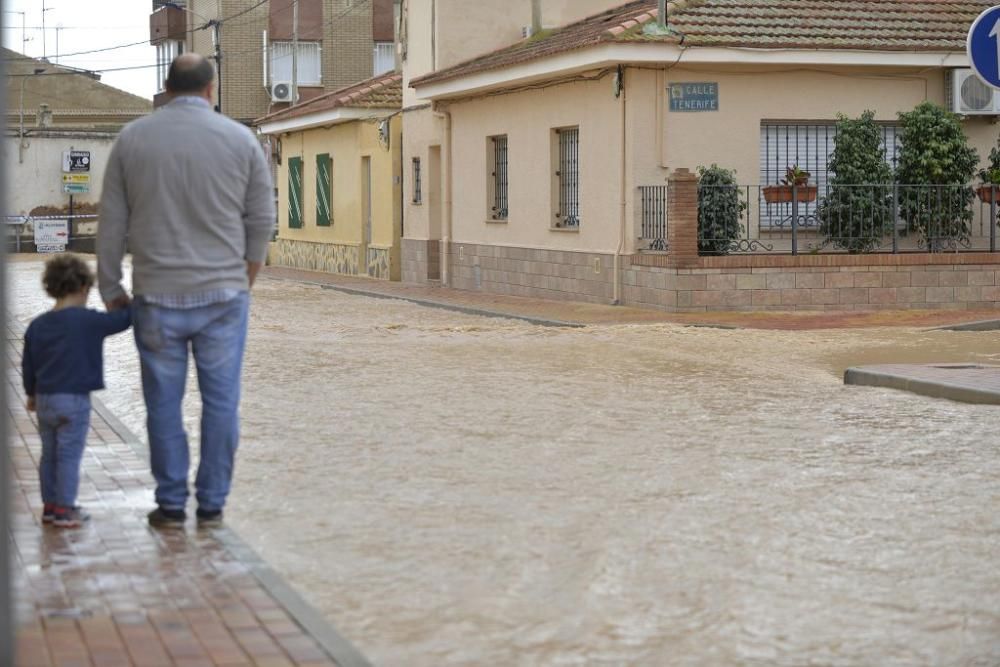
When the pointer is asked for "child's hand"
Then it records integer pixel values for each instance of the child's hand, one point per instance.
(31, 404)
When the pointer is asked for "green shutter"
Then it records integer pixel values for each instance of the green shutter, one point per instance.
(323, 185)
(295, 192)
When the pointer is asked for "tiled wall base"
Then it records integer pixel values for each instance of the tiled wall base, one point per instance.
(786, 283)
(327, 257)
(421, 260)
(380, 263)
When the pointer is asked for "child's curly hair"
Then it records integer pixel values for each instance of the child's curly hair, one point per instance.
(66, 274)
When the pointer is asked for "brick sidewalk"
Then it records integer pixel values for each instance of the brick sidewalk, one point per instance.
(574, 313)
(117, 592)
(968, 383)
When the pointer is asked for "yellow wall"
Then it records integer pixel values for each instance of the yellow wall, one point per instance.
(729, 137)
(347, 144)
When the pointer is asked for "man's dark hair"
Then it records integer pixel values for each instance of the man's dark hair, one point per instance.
(189, 76)
(66, 274)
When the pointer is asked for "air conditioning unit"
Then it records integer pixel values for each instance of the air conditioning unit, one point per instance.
(967, 95)
(281, 91)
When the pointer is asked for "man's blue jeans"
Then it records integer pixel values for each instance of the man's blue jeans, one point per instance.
(63, 422)
(216, 336)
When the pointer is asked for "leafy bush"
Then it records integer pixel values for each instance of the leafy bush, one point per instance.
(936, 164)
(720, 208)
(991, 174)
(857, 211)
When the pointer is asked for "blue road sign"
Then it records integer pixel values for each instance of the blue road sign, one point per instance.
(983, 46)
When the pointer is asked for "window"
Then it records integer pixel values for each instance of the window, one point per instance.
(385, 58)
(417, 196)
(295, 192)
(324, 190)
(496, 149)
(166, 51)
(809, 146)
(567, 142)
(310, 58)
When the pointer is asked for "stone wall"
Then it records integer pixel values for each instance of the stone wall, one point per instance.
(326, 257)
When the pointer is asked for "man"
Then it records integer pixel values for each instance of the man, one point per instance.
(190, 192)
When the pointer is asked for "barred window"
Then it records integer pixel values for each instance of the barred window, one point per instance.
(568, 177)
(417, 185)
(295, 192)
(324, 190)
(498, 181)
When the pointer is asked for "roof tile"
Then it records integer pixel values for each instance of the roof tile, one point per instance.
(381, 92)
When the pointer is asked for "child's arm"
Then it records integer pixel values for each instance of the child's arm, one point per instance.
(115, 321)
(28, 373)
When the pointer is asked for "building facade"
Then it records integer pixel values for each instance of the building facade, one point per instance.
(436, 35)
(555, 154)
(52, 109)
(339, 181)
(340, 43)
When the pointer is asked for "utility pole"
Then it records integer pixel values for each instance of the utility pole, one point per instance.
(58, 28)
(295, 52)
(536, 16)
(217, 36)
(45, 50)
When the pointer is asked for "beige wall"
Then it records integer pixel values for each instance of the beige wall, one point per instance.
(729, 137)
(347, 144)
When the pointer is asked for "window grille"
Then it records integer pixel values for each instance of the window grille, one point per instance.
(295, 192)
(499, 178)
(166, 51)
(310, 70)
(417, 185)
(569, 178)
(385, 58)
(324, 190)
(810, 147)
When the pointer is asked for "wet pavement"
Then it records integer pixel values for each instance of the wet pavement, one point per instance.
(117, 592)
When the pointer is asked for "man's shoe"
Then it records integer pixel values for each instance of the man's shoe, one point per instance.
(209, 518)
(164, 518)
(69, 517)
(48, 513)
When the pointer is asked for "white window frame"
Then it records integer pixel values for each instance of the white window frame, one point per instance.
(166, 51)
(384, 58)
(310, 62)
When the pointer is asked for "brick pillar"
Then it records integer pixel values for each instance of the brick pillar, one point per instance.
(682, 218)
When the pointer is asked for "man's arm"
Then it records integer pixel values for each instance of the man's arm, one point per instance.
(259, 214)
(112, 231)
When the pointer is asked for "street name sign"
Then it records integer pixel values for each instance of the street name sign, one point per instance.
(76, 184)
(983, 46)
(694, 96)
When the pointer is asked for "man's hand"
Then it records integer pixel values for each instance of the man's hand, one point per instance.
(31, 404)
(253, 268)
(116, 304)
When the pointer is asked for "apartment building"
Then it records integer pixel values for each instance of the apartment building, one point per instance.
(340, 42)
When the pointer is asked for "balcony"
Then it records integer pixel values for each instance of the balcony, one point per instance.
(167, 23)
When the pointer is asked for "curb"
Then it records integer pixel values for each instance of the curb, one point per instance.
(934, 389)
(982, 325)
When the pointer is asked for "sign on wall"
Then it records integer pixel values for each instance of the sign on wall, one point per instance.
(76, 184)
(76, 161)
(51, 235)
(696, 96)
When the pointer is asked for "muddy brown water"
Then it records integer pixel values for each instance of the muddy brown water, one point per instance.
(456, 490)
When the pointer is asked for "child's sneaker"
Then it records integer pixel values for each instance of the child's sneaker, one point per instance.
(69, 517)
(48, 513)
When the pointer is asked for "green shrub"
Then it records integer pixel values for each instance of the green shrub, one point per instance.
(857, 211)
(720, 209)
(935, 167)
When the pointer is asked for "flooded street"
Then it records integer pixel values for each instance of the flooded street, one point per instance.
(457, 490)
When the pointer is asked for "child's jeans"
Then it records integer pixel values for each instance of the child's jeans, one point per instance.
(63, 422)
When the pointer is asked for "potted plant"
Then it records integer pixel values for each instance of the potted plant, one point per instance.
(795, 183)
(989, 189)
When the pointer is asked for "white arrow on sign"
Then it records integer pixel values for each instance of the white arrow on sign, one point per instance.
(995, 34)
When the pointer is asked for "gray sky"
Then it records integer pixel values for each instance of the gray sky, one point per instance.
(86, 26)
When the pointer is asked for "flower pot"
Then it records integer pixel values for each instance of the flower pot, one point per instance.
(989, 193)
(782, 194)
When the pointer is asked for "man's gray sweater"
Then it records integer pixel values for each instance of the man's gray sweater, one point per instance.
(188, 192)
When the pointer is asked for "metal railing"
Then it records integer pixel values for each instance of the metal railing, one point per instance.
(653, 227)
(889, 218)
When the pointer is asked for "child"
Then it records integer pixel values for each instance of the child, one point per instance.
(62, 364)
